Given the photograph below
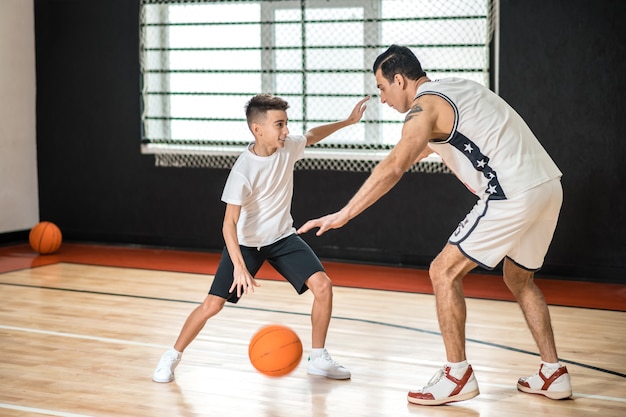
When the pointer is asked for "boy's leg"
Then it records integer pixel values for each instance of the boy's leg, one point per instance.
(197, 319)
(294, 259)
(320, 361)
(297, 262)
(321, 287)
(212, 304)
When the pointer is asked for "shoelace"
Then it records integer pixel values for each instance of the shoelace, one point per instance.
(326, 358)
(544, 370)
(436, 378)
(169, 359)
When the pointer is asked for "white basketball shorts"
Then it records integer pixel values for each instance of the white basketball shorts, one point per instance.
(520, 228)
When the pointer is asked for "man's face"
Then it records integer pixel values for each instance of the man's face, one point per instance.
(392, 93)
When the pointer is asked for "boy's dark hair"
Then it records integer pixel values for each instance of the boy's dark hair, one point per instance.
(399, 60)
(258, 106)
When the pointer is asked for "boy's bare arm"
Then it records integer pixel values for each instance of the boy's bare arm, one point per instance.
(242, 280)
(320, 132)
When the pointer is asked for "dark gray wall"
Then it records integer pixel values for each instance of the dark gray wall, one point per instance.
(561, 67)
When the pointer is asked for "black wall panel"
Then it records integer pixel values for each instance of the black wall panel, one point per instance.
(561, 67)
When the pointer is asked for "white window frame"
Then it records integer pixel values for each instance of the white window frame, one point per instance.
(226, 150)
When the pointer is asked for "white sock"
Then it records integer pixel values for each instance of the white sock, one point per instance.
(458, 369)
(316, 352)
(458, 365)
(551, 366)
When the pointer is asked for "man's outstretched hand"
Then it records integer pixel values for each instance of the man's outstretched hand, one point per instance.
(330, 221)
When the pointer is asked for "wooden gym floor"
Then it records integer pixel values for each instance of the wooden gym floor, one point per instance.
(82, 330)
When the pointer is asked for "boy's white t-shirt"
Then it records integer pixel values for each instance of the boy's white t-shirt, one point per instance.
(263, 187)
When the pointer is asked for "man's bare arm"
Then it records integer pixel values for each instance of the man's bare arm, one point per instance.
(416, 133)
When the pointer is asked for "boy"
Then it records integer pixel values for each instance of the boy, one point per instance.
(258, 226)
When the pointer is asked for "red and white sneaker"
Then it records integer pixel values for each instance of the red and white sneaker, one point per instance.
(553, 383)
(444, 388)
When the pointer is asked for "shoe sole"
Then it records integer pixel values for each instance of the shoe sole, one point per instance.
(446, 400)
(162, 381)
(553, 395)
(322, 373)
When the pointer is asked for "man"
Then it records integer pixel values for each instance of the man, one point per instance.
(494, 153)
(258, 227)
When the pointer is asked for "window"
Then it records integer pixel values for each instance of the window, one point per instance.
(202, 61)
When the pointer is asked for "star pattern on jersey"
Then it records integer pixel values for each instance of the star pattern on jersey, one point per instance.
(492, 189)
(480, 162)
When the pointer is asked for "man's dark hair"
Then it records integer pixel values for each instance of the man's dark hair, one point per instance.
(259, 105)
(399, 60)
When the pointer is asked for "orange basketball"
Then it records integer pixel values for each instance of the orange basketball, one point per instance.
(275, 350)
(45, 238)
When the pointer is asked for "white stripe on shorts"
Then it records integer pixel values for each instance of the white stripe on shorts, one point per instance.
(520, 227)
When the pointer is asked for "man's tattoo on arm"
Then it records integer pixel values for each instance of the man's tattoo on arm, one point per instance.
(413, 112)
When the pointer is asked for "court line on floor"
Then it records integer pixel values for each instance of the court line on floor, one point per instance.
(82, 336)
(41, 411)
(154, 345)
(399, 326)
(574, 395)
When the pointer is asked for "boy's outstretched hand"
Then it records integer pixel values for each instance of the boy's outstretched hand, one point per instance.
(340, 218)
(357, 112)
(320, 132)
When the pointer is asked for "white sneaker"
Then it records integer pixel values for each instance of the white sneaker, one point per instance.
(444, 388)
(325, 365)
(164, 371)
(554, 383)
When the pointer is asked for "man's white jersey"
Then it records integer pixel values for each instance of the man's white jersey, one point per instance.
(491, 149)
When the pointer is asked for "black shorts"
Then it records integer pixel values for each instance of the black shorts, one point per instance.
(290, 256)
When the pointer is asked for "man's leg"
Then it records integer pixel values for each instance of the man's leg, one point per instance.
(552, 379)
(522, 284)
(456, 381)
(446, 274)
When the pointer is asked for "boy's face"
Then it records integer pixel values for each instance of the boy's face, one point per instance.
(272, 131)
